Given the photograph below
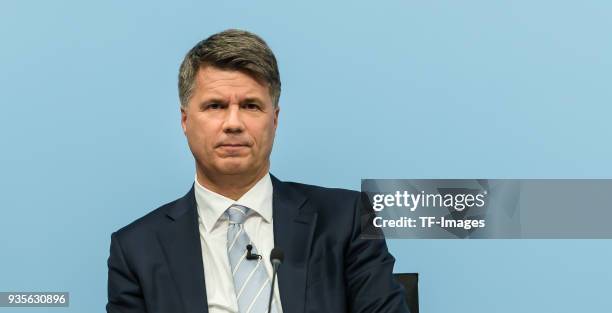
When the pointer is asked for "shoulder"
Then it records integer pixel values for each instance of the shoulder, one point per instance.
(319, 193)
(149, 221)
(146, 226)
(335, 205)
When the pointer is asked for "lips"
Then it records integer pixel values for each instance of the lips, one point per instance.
(232, 145)
(232, 149)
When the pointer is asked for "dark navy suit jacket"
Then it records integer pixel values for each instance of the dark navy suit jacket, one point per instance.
(155, 263)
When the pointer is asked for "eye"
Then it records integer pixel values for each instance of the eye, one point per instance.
(251, 106)
(213, 106)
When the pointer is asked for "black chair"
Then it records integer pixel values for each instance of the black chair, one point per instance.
(410, 281)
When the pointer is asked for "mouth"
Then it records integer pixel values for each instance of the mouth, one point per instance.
(232, 145)
(232, 149)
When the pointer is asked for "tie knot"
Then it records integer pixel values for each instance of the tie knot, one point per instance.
(237, 214)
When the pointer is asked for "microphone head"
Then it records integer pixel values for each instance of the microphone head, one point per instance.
(277, 255)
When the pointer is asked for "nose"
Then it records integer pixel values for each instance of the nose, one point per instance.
(233, 121)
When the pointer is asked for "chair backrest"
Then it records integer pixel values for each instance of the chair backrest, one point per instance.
(410, 281)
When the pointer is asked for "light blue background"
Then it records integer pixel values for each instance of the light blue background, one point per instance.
(91, 140)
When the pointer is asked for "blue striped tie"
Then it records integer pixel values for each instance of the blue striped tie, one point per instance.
(251, 281)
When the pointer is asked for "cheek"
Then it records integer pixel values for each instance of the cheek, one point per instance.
(200, 134)
(266, 136)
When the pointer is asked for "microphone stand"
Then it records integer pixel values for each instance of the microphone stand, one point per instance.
(276, 258)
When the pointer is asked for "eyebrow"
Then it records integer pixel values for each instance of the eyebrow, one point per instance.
(221, 100)
(212, 100)
(252, 99)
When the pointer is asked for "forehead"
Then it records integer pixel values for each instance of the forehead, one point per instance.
(215, 80)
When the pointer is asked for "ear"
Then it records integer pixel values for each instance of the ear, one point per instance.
(276, 112)
(184, 120)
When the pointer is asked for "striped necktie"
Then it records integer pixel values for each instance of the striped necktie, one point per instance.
(251, 281)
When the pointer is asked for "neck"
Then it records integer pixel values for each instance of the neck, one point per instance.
(231, 186)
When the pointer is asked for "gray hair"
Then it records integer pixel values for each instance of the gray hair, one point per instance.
(231, 49)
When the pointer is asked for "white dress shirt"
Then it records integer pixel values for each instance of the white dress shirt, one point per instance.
(213, 226)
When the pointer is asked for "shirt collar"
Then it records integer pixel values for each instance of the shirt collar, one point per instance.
(212, 206)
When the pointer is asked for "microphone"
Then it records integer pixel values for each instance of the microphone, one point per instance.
(251, 256)
(276, 258)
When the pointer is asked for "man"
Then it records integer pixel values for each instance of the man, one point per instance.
(209, 250)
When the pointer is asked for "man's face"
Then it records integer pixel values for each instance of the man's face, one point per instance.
(230, 123)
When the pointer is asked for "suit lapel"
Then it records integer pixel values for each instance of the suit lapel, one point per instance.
(180, 240)
(294, 223)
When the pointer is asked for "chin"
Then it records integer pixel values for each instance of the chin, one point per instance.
(233, 168)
